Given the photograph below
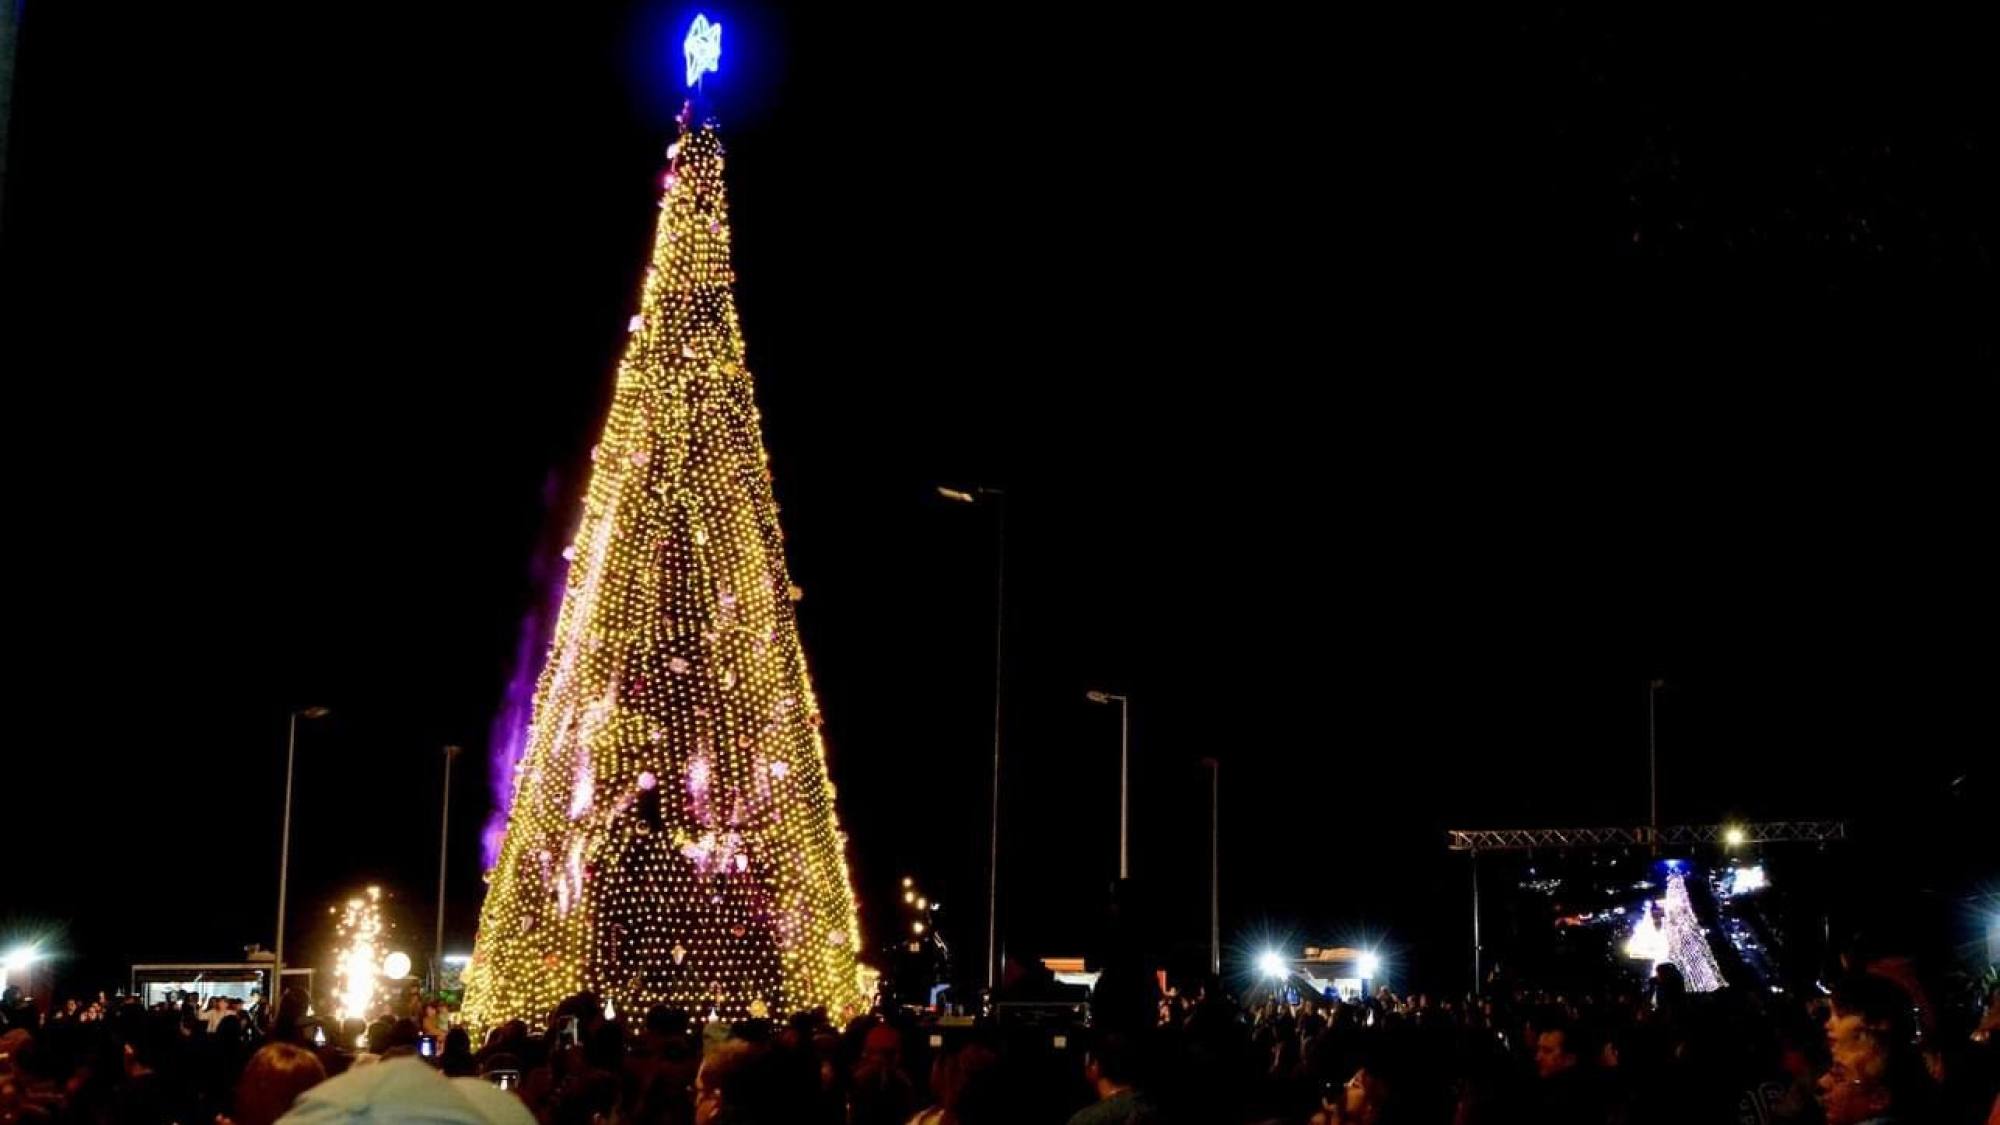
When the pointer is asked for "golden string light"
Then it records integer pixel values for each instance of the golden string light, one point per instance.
(672, 837)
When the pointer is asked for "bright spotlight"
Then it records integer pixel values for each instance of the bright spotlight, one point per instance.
(1368, 965)
(396, 966)
(16, 959)
(1271, 964)
(1733, 836)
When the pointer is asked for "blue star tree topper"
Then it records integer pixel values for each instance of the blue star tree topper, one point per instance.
(703, 47)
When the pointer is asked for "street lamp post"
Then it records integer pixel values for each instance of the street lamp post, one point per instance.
(1653, 760)
(285, 846)
(976, 495)
(1124, 777)
(444, 842)
(1214, 865)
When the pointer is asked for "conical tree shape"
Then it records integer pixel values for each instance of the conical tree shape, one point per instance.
(672, 836)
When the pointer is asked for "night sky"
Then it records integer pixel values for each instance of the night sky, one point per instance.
(1382, 401)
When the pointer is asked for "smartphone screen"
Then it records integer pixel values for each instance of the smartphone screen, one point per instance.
(427, 1046)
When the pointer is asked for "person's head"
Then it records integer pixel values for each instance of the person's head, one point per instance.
(1870, 1078)
(662, 1020)
(1875, 1069)
(1110, 1064)
(1364, 1095)
(457, 1043)
(292, 1008)
(274, 1078)
(1870, 1005)
(882, 1049)
(605, 1046)
(1555, 1052)
(1668, 983)
(956, 1068)
(743, 1083)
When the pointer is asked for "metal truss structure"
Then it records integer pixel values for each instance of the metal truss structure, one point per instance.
(1763, 832)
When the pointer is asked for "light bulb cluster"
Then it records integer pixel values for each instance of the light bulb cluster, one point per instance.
(672, 838)
(919, 912)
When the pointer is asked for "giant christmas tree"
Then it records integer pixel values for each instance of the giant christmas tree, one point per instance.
(672, 835)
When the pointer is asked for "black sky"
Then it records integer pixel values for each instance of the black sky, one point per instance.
(1383, 400)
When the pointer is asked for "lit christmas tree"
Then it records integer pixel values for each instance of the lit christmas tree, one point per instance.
(1670, 933)
(672, 836)
(1687, 943)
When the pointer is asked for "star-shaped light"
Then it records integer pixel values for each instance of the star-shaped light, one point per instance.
(703, 47)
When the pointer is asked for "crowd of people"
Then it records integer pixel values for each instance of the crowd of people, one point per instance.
(1869, 1052)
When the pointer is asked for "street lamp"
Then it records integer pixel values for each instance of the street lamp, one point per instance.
(975, 495)
(1124, 777)
(285, 845)
(1214, 865)
(444, 841)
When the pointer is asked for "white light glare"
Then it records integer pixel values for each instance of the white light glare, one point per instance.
(1368, 964)
(1270, 964)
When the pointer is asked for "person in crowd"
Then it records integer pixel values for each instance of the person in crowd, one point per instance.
(956, 1080)
(1875, 1073)
(405, 1090)
(746, 1083)
(1565, 1090)
(288, 1025)
(273, 1079)
(881, 1092)
(1111, 1068)
(455, 1055)
(1611, 1056)
(1362, 1100)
